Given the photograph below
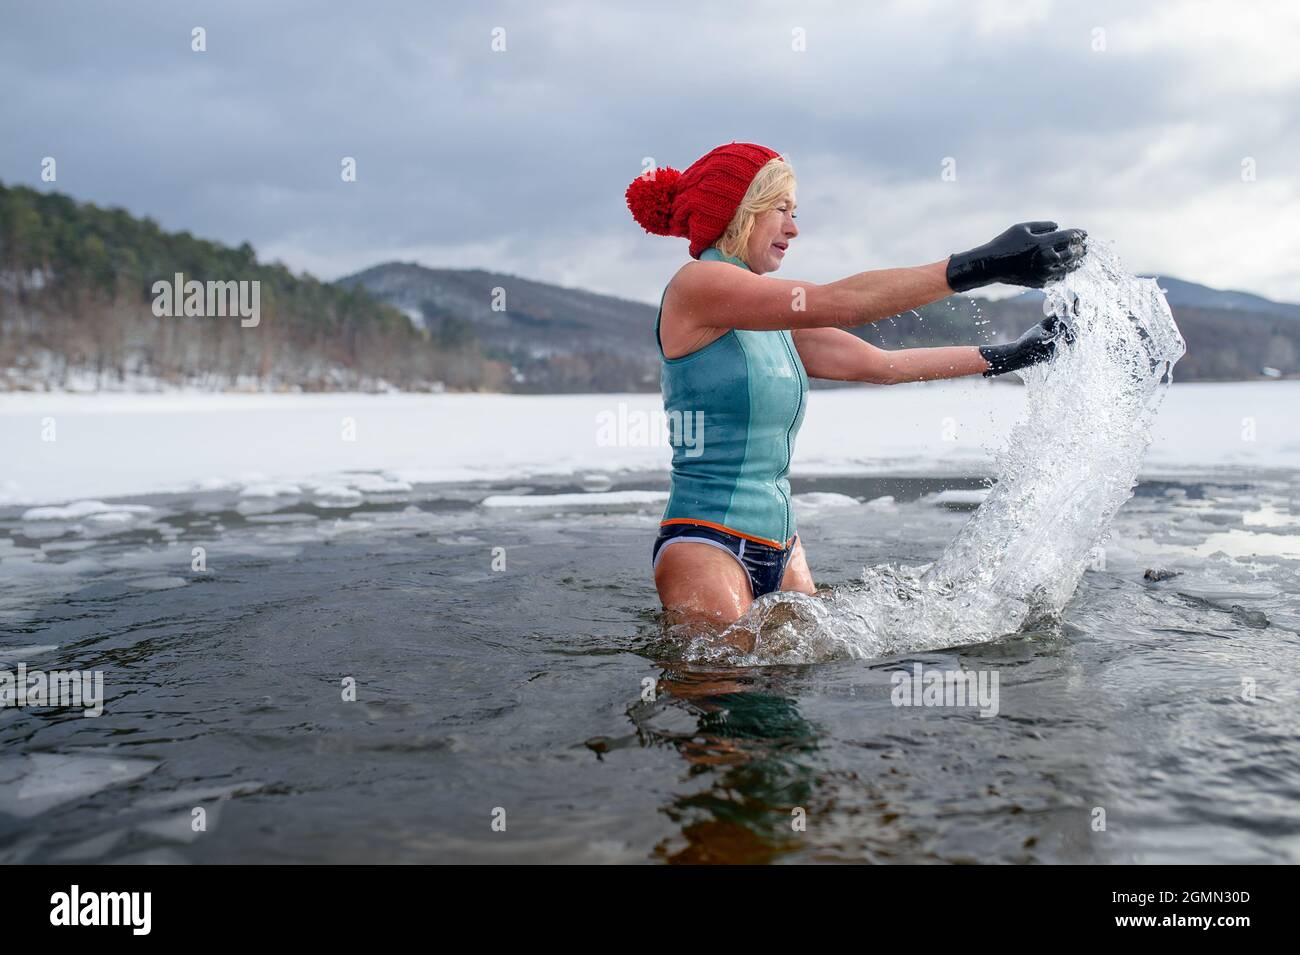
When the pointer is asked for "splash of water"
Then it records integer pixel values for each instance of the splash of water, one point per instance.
(1069, 463)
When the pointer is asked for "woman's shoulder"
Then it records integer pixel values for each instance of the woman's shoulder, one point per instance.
(681, 333)
(685, 271)
(689, 277)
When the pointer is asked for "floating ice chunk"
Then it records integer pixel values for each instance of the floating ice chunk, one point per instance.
(270, 489)
(194, 797)
(822, 499)
(157, 583)
(337, 491)
(575, 500)
(952, 496)
(82, 509)
(378, 484)
(66, 546)
(111, 517)
(36, 783)
(26, 653)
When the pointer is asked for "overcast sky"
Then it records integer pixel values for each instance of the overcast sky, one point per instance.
(517, 161)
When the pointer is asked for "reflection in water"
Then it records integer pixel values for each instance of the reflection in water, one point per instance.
(750, 741)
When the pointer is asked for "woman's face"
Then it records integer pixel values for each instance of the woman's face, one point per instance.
(771, 236)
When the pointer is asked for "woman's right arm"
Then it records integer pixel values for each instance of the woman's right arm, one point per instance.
(719, 295)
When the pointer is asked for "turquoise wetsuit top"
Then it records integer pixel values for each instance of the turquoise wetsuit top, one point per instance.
(734, 408)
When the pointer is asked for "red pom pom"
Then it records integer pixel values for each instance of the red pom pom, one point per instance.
(651, 200)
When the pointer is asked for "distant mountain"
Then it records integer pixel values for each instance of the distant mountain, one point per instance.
(555, 338)
(1190, 295)
(1183, 294)
(571, 319)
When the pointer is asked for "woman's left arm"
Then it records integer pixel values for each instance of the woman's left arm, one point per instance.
(841, 356)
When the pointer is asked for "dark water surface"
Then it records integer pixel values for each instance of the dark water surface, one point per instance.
(525, 690)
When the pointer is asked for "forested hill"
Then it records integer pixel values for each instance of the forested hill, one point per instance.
(77, 308)
(555, 339)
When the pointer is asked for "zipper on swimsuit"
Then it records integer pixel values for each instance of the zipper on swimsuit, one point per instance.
(790, 427)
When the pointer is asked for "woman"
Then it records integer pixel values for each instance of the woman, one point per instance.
(737, 350)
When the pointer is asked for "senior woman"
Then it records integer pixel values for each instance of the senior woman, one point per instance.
(738, 348)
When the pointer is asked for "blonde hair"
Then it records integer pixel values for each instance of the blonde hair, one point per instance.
(773, 182)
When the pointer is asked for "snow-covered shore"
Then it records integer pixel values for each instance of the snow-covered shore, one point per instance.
(65, 447)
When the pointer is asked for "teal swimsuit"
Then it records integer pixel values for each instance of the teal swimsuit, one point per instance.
(734, 409)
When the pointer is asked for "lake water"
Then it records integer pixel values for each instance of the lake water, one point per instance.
(1155, 721)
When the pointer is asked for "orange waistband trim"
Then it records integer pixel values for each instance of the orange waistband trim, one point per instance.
(722, 527)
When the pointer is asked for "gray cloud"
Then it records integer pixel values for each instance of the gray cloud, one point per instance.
(517, 161)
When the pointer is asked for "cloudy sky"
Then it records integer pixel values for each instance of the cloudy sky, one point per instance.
(1132, 121)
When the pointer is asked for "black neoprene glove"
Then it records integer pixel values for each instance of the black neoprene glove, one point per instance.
(1033, 346)
(1029, 253)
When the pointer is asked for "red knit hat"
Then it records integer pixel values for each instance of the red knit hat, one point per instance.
(699, 203)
